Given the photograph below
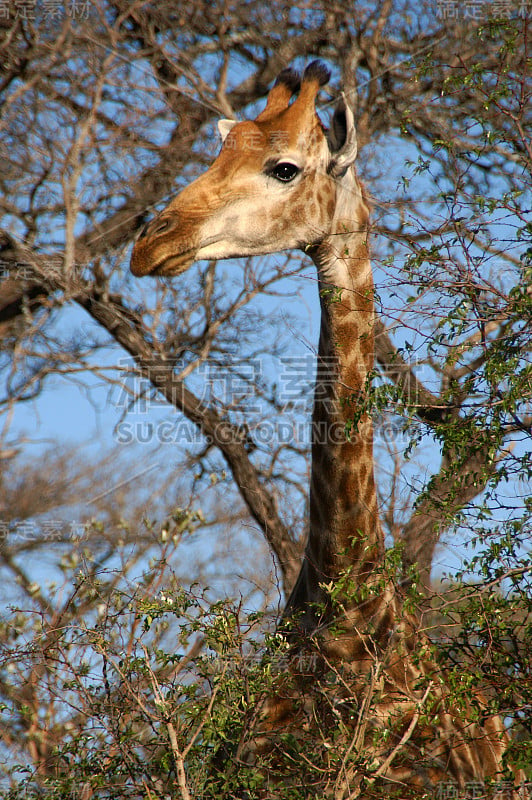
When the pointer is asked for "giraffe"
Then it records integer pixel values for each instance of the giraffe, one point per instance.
(282, 181)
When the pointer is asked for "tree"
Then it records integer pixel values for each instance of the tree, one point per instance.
(110, 107)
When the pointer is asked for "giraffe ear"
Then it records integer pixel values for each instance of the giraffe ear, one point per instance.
(342, 138)
(224, 126)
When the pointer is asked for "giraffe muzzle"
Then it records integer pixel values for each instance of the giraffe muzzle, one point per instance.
(157, 250)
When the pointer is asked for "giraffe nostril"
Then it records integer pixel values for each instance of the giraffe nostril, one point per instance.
(160, 227)
(154, 227)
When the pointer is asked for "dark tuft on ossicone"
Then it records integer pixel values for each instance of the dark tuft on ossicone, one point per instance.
(290, 78)
(317, 71)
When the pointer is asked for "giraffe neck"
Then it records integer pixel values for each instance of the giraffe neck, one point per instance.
(345, 535)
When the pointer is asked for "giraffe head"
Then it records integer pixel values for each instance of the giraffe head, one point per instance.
(274, 185)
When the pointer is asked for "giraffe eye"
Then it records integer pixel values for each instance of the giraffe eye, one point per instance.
(285, 171)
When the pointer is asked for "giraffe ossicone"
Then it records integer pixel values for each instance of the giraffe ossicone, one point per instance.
(282, 181)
